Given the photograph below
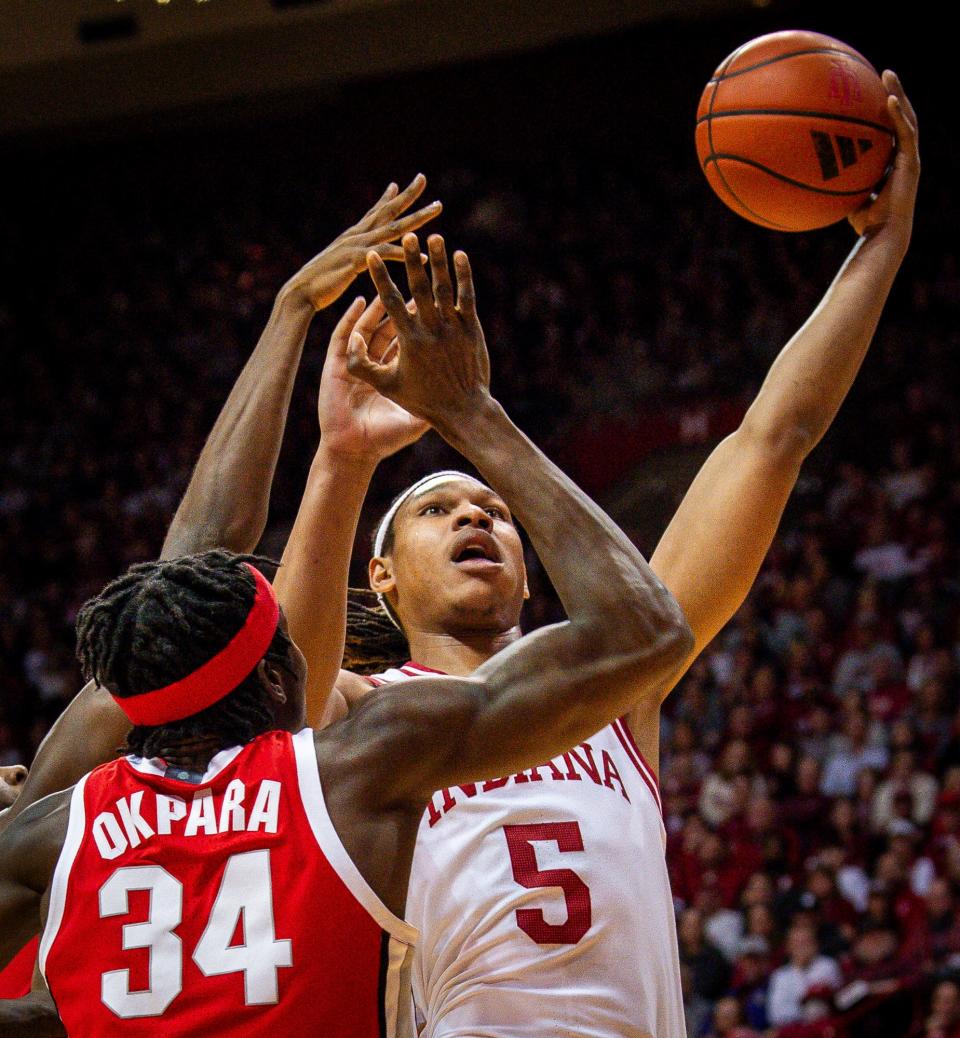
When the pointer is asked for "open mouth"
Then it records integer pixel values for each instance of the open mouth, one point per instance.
(475, 549)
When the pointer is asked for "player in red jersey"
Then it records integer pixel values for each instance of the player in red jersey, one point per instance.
(225, 505)
(227, 499)
(226, 868)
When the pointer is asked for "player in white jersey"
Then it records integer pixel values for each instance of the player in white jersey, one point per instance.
(543, 898)
(574, 932)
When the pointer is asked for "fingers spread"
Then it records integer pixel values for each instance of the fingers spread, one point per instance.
(407, 197)
(367, 220)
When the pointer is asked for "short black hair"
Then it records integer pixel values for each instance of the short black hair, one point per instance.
(158, 623)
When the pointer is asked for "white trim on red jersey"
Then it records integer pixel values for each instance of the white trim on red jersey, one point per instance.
(61, 874)
(311, 792)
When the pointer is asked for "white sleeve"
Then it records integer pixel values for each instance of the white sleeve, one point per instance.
(783, 998)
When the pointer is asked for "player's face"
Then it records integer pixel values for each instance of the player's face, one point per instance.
(12, 779)
(457, 561)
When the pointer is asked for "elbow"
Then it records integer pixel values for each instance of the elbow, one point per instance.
(677, 636)
(786, 441)
(660, 635)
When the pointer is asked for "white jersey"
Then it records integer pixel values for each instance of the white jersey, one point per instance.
(543, 901)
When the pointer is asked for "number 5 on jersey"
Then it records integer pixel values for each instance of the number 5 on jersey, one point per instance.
(246, 894)
(576, 894)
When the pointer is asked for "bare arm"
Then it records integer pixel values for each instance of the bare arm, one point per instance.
(711, 552)
(225, 504)
(34, 1016)
(358, 428)
(28, 853)
(561, 684)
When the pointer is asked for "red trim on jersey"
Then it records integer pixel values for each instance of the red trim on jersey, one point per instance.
(410, 669)
(422, 668)
(213, 680)
(17, 977)
(623, 733)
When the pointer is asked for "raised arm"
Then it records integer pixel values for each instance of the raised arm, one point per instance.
(711, 552)
(358, 428)
(561, 684)
(225, 504)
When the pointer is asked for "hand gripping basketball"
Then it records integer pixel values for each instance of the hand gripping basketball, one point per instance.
(794, 131)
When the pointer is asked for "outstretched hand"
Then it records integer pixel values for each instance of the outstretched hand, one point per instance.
(441, 370)
(327, 276)
(893, 206)
(354, 418)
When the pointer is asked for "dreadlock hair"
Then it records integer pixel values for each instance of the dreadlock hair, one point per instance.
(159, 622)
(374, 642)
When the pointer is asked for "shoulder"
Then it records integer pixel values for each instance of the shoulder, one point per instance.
(30, 846)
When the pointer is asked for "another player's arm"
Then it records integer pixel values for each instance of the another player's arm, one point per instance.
(711, 552)
(561, 684)
(33, 1016)
(28, 854)
(358, 428)
(225, 504)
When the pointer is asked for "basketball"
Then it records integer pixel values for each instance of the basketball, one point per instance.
(793, 131)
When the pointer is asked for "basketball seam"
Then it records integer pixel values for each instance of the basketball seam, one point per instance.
(760, 219)
(721, 75)
(799, 113)
(780, 176)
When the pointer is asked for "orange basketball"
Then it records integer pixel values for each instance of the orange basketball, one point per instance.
(793, 131)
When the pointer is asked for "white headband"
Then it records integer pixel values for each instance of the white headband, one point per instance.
(426, 483)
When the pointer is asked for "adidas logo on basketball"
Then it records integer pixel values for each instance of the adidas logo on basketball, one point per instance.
(836, 151)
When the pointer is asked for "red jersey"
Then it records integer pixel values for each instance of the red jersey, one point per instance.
(226, 907)
(16, 979)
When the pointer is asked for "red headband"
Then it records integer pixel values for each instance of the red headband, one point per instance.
(220, 675)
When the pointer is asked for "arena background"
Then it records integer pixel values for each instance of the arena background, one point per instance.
(168, 166)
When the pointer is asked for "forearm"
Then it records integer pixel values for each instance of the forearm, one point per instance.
(86, 734)
(226, 502)
(598, 573)
(813, 373)
(313, 578)
(34, 1016)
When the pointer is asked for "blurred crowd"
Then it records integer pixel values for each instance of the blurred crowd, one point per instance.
(811, 757)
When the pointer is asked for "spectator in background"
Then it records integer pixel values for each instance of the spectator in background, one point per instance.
(804, 970)
(718, 796)
(905, 787)
(708, 970)
(943, 1020)
(806, 811)
(943, 926)
(852, 756)
(728, 1021)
